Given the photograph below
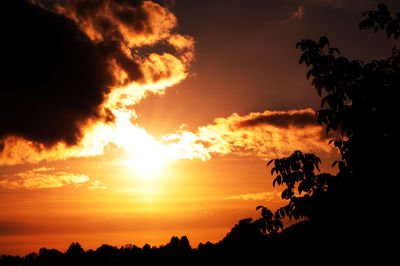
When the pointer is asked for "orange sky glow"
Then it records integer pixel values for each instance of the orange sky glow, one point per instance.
(156, 170)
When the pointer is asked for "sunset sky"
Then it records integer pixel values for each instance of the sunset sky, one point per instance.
(134, 121)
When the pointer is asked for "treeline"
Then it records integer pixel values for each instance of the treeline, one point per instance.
(245, 244)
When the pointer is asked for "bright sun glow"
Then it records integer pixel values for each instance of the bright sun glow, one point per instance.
(147, 155)
(149, 162)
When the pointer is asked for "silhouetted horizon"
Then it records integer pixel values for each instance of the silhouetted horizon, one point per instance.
(244, 243)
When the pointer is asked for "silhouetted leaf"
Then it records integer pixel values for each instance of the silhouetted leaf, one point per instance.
(323, 41)
(282, 212)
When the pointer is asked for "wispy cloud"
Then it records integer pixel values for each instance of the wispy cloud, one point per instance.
(96, 185)
(268, 196)
(295, 15)
(45, 178)
(282, 119)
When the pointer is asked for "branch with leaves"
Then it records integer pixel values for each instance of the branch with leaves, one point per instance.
(303, 189)
(359, 101)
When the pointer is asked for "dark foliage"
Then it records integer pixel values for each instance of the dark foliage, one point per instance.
(359, 100)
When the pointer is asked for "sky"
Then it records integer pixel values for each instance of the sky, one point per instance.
(129, 122)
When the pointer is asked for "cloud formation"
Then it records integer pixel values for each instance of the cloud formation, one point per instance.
(267, 196)
(60, 62)
(281, 119)
(53, 77)
(44, 177)
(72, 70)
(268, 135)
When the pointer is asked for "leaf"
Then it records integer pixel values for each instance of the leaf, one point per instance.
(302, 58)
(323, 41)
(278, 180)
(264, 212)
(282, 212)
(262, 225)
(267, 213)
(270, 162)
(274, 170)
(309, 73)
(259, 207)
(336, 50)
(278, 224)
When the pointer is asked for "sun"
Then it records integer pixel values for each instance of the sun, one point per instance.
(148, 163)
(148, 158)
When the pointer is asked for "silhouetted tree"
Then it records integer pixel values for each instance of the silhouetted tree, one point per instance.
(75, 254)
(50, 256)
(359, 101)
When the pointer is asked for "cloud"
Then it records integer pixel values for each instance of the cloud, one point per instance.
(53, 77)
(72, 70)
(268, 135)
(268, 196)
(76, 69)
(295, 15)
(96, 185)
(45, 178)
(60, 62)
(296, 118)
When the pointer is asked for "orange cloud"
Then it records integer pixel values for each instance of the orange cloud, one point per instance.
(268, 196)
(118, 31)
(45, 178)
(133, 26)
(269, 135)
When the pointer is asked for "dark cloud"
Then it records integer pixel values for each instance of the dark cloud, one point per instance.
(282, 120)
(54, 78)
(106, 23)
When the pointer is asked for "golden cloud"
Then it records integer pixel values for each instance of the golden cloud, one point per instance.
(270, 134)
(268, 196)
(45, 178)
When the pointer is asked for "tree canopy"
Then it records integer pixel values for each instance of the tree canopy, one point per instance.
(359, 102)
